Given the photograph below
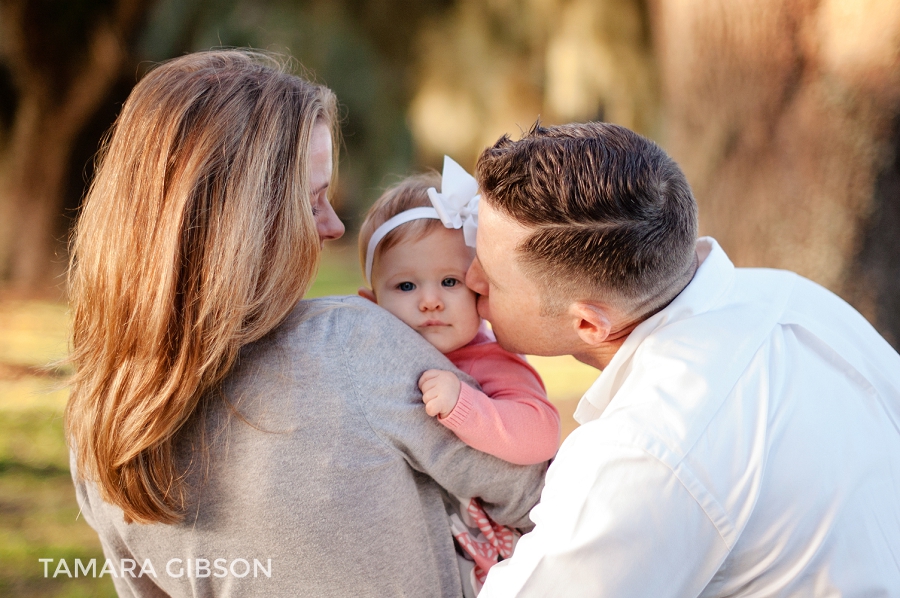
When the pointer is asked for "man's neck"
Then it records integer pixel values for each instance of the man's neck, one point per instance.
(600, 356)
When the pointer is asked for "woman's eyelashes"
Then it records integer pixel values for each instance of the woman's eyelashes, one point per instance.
(321, 198)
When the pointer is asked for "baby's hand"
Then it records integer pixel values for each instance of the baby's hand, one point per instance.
(440, 391)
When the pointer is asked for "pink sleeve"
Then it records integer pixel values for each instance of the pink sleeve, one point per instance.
(512, 419)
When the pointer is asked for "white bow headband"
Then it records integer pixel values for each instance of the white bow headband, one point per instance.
(456, 206)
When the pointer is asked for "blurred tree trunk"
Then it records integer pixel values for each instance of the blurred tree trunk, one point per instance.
(59, 82)
(784, 115)
(489, 68)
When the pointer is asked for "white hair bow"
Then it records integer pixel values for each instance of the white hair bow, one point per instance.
(456, 206)
(457, 203)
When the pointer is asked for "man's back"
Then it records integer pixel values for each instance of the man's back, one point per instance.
(826, 518)
(744, 441)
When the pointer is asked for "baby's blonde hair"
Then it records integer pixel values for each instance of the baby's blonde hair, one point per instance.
(411, 192)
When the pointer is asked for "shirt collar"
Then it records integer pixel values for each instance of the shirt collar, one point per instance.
(714, 276)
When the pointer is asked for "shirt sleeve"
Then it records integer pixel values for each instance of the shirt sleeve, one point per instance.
(613, 521)
(512, 419)
(384, 361)
(114, 547)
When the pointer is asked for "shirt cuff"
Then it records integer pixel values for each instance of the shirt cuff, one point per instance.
(460, 412)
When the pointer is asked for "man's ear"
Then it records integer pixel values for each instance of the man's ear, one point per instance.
(367, 294)
(592, 322)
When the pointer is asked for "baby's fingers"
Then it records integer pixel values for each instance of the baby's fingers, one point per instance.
(432, 407)
(429, 379)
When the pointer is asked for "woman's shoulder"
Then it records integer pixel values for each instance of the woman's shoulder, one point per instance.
(335, 307)
(346, 318)
(347, 332)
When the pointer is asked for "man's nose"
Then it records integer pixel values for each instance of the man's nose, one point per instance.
(475, 278)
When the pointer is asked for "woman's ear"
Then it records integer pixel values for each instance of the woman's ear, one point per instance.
(592, 322)
(366, 293)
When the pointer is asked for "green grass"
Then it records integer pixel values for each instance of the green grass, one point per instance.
(39, 519)
(339, 272)
(38, 512)
(33, 333)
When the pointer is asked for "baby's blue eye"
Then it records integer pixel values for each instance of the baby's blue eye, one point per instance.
(406, 286)
(449, 282)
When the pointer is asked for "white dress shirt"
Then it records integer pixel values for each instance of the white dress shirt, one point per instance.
(745, 441)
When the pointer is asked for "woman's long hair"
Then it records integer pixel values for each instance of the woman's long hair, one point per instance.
(196, 238)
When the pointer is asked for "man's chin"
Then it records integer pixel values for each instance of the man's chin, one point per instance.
(504, 342)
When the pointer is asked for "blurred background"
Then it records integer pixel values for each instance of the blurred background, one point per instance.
(784, 114)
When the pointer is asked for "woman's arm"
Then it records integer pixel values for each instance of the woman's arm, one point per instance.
(384, 359)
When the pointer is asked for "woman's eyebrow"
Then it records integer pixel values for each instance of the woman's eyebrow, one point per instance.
(320, 189)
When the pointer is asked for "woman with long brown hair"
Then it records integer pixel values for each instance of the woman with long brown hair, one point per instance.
(228, 438)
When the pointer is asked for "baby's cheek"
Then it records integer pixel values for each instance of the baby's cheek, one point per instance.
(472, 308)
(473, 320)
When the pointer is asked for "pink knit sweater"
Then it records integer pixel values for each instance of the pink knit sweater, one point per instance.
(512, 419)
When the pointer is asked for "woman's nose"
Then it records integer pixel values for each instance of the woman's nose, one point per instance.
(328, 225)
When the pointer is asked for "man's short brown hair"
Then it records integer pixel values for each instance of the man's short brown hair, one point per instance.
(612, 214)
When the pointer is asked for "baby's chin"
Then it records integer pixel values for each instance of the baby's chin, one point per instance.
(448, 345)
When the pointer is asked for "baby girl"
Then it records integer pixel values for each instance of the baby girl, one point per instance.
(416, 245)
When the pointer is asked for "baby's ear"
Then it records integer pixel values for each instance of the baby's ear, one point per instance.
(366, 294)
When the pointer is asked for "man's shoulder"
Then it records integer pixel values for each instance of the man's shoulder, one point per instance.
(828, 321)
(668, 386)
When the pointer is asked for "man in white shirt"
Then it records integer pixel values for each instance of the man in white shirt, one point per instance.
(743, 438)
